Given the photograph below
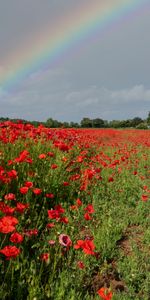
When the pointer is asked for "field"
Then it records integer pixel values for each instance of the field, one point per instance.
(74, 213)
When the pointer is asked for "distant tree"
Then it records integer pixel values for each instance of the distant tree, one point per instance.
(126, 123)
(49, 122)
(114, 124)
(148, 118)
(142, 125)
(36, 123)
(65, 124)
(136, 121)
(106, 124)
(86, 123)
(74, 125)
(98, 123)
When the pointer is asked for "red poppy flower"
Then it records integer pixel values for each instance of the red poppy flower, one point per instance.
(64, 220)
(79, 244)
(23, 190)
(56, 213)
(65, 183)
(51, 154)
(10, 196)
(29, 184)
(30, 232)
(7, 224)
(80, 265)
(6, 209)
(144, 197)
(80, 159)
(50, 195)
(10, 251)
(90, 209)
(6, 228)
(105, 294)
(12, 174)
(54, 166)
(50, 225)
(73, 207)
(45, 256)
(86, 245)
(21, 207)
(79, 202)
(37, 191)
(16, 238)
(110, 179)
(87, 217)
(42, 156)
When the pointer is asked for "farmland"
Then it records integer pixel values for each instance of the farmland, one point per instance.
(74, 213)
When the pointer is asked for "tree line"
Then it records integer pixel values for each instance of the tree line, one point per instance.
(136, 122)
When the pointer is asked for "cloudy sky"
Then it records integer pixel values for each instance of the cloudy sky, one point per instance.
(107, 75)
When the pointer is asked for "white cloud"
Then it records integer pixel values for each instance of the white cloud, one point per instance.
(136, 93)
(51, 94)
(103, 95)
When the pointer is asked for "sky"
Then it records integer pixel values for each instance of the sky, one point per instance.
(105, 74)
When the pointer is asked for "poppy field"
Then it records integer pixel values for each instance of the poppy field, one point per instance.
(74, 213)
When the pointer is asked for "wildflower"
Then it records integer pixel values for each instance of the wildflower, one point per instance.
(6, 209)
(10, 251)
(80, 159)
(65, 240)
(12, 174)
(90, 209)
(110, 179)
(56, 212)
(9, 220)
(51, 154)
(79, 244)
(65, 183)
(79, 202)
(144, 197)
(73, 207)
(10, 196)
(30, 232)
(45, 257)
(87, 217)
(50, 195)
(22, 157)
(7, 224)
(64, 159)
(29, 184)
(23, 190)
(53, 214)
(21, 207)
(80, 264)
(50, 225)
(37, 191)
(104, 293)
(51, 242)
(86, 245)
(145, 187)
(135, 173)
(54, 166)
(64, 220)
(16, 238)
(42, 156)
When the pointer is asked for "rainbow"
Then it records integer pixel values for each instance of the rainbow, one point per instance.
(66, 35)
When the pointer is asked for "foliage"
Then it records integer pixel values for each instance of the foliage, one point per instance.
(87, 123)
